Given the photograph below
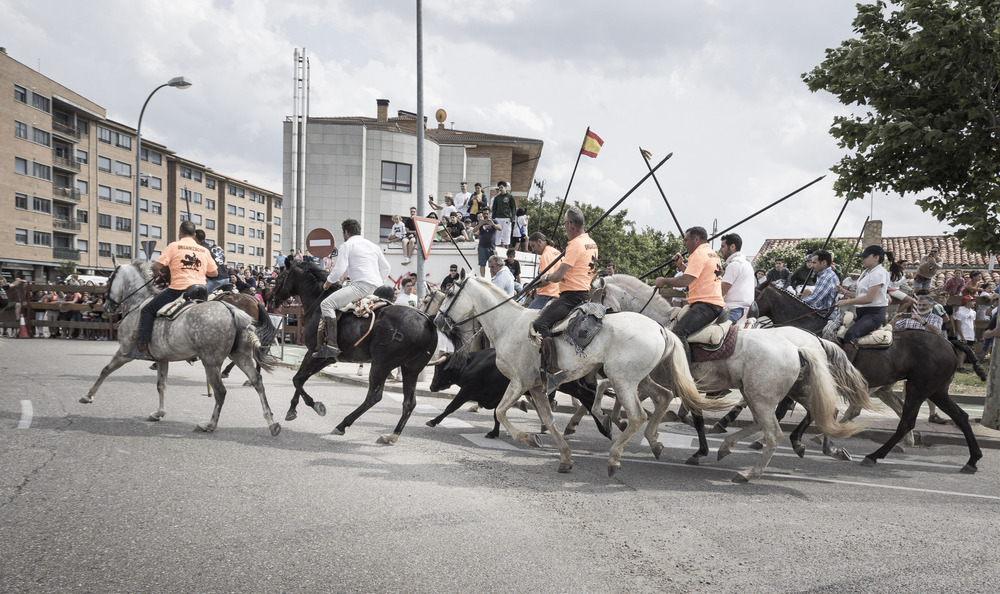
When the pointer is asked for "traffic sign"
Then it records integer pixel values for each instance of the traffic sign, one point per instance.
(319, 242)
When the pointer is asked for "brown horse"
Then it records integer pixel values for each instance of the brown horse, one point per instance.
(263, 326)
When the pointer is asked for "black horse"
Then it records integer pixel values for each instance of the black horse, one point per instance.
(399, 337)
(925, 360)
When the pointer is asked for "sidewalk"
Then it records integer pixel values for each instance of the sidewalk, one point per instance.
(881, 424)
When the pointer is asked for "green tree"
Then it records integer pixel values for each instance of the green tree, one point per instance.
(924, 78)
(795, 255)
(632, 252)
(66, 268)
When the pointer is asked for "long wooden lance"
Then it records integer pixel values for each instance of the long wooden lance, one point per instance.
(731, 227)
(858, 242)
(645, 157)
(812, 270)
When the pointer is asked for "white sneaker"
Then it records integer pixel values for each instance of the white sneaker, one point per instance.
(406, 261)
(361, 369)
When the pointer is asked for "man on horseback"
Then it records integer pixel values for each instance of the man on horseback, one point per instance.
(187, 264)
(871, 298)
(366, 266)
(738, 281)
(823, 296)
(574, 275)
(702, 275)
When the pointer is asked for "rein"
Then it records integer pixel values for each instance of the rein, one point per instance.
(129, 296)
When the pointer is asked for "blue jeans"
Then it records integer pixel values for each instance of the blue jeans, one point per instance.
(539, 301)
(736, 313)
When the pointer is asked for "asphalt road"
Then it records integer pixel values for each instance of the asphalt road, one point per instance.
(94, 498)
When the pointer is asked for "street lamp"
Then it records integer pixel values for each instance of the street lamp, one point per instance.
(178, 82)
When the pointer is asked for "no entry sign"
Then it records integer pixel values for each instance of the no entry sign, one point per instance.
(319, 242)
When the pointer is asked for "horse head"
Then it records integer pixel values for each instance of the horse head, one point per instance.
(127, 281)
(444, 320)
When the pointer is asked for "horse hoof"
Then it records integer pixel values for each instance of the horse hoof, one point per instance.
(565, 467)
(320, 408)
(800, 450)
(537, 440)
(275, 429)
(613, 468)
(154, 417)
(716, 428)
(898, 449)
(387, 439)
(741, 478)
(657, 449)
(291, 416)
(756, 445)
(842, 454)
(247, 384)
(723, 452)
(206, 427)
(544, 429)
(521, 404)
(431, 423)
(492, 435)
(868, 462)
(694, 460)
(817, 438)
(569, 430)
(671, 417)
(337, 431)
(968, 469)
(86, 400)
(225, 376)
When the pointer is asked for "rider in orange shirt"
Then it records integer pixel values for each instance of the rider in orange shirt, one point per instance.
(702, 275)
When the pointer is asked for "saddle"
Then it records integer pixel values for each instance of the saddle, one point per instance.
(701, 352)
(365, 307)
(192, 296)
(880, 338)
(710, 337)
(226, 289)
(578, 328)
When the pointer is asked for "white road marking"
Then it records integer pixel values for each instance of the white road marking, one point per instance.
(453, 423)
(26, 414)
(490, 444)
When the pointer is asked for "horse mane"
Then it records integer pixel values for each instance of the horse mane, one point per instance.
(629, 283)
(636, 289)
(788, 296)
(144, 268)
(496, 290)
(317, 273)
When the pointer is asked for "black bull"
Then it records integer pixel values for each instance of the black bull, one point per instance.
(481, 382)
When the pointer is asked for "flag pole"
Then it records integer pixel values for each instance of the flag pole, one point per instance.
(562, 206)
(827, 242)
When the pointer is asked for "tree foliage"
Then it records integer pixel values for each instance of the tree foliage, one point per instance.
(924, 75)
(632, 252)
(795, 255)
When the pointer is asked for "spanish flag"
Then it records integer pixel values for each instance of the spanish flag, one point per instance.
(592, 144)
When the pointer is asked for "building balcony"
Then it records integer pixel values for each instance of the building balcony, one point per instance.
(65, 130)
(64, 163)
(66, 194)
(67, 224)
(66, 254)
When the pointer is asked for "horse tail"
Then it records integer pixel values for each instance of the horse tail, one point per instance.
(971, 357)
(680, 376)
(850, 383)
(265, 327)
(261, 354)
(822, 390)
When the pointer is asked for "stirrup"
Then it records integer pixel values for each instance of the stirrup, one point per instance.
(327, 352)
(553, 381)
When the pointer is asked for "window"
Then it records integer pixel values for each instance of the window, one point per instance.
(103, 220)
(277, 203)
(155, 207)
(21, 201)
(155, 232)
(41, 238)
(21, 95)
(231, 190)
(82, 127)
(231, 209)
(123, 251)
(396, 176)
(81, 245)
(41, 137)
(196, 218)
(123, 169)
(155, 183)
(41, 205)
(103, 249)
(210, 224)
(209, 183)
(239, 248)
(143, 205)
(123, 196)
(21, 236)
(240, 212)
(230, 228)
(230, 247)
(82, 216)
(239, 230)
(41, 102)
(196, 197)
(143, 230)
(104, 193)
(21, 166)
(81, 157)
(123, 224)
(123, 141)
(252, 233)
(185, 172)
(103, 134)
(277, 237)
(152, 156)
(41, 171)
(210, 204)
(277, 221)
(196, 175)
(103, 164)
(20, 130)
(184, 216)
(253, 214)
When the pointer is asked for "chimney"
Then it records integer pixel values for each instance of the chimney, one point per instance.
(383, 109)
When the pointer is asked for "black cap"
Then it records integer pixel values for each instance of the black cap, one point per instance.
(873, 250)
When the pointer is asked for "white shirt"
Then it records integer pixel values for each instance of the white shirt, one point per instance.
(966, 318)
(504, 279)
(462, 202)
(446, 211)
(408, 300)
(870, 278)
(362, 260)
(742, 278)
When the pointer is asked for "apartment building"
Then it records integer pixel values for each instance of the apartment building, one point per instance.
(365, 168)
(69, 172)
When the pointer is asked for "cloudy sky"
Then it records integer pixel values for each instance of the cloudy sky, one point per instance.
(715, 82)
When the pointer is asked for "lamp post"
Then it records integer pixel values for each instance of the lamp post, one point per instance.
(178, 82)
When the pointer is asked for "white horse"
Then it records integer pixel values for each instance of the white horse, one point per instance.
(627, 349)
(211, 331)
(765, 367)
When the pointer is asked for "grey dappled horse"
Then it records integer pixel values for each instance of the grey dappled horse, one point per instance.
(210, 331)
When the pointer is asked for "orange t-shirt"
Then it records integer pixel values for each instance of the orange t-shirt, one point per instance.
(188, 263)
(706, 268)
(548, 255)
(581, 255)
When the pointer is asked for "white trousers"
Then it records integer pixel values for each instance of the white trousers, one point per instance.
(345, 295)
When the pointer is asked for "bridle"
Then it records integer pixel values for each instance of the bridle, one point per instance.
(110, 305)
(814, 312)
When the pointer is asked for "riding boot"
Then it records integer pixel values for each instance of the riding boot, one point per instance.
(141, 351)
(851, 350)
(326, 339)
(550, 365)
